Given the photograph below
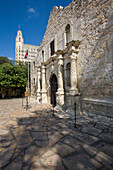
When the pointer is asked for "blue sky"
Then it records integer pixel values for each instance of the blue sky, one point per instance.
(31, 15)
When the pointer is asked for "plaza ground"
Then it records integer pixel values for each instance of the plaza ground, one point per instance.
(38, 140)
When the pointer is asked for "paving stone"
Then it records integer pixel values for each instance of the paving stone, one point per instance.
(10, 123)
(2, 122)
(71, 141)
(106, 160)
(39, 135)
(36, 166)
(6, 154)
(30, 154)
(92, 131)
(23, 138)
(38, 128)
(54, 137)
(63, 149)
(26, 167)
(1, 148)
(39, 140)
(16, 153)
(107, 137)
(15, 164)
(33, 154)
(18, 131)
(106, 148)
(96, 164)
(3, 131)
(52, 161)
(42, 143)
(78, 161)
(64, 131)
(86, 138)
(92, 151)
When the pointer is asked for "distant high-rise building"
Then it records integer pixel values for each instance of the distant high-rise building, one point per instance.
(21, 48)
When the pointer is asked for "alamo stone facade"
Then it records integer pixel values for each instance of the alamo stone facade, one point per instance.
(74, 63)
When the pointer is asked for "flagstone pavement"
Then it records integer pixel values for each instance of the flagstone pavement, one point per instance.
(38, 140)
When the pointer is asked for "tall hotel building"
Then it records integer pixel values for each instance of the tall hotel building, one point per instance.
(21, 48)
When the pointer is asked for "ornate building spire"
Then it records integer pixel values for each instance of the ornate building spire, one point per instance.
(19, 27)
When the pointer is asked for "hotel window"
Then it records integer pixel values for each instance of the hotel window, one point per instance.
(19, 39)
(52, 47)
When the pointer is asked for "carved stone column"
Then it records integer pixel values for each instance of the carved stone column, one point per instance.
(64, 40)
(60, 91)
(73, 95)
(73, 90)
(38, 85)
(60, 73)
(44, 91)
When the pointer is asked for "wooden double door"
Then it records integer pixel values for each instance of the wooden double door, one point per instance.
(54, 87)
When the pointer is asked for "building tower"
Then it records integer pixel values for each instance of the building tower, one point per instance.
(21, 48)
(19, 45)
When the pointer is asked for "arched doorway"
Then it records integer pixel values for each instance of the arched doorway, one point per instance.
(54, 87)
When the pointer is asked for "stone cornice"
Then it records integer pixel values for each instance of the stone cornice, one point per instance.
(71, 47)
(59, 52)
(73, 43)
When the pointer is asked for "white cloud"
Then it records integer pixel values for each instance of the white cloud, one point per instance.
(10, 58)
(31, 10)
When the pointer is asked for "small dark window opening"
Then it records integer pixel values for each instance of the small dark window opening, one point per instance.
(19, 39)
(68, 72)
(41, 84)
(52, 47)
(34, 64)
(34, 81)
(67, 33)
(43, 55)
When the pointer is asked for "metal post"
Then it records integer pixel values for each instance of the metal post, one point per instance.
(75, 114)
(22, 101)
(53, 104)
(28, 85)
(53, 110)
(26, 103)
(28, 72)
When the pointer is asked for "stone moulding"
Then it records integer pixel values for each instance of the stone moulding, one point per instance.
(101, 101)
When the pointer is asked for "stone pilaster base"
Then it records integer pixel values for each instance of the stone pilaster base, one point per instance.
(73, 91)
(60, 98)
(71, 99)
(38, 97)
(44, 96)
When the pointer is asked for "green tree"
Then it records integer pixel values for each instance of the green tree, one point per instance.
(5, 60)
(13, 76)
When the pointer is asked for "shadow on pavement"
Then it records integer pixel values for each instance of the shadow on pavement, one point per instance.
(40, 141)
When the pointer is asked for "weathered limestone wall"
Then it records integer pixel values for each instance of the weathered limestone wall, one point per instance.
(58, 20)
(91, 22)
(94, 20)
(95, 60)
